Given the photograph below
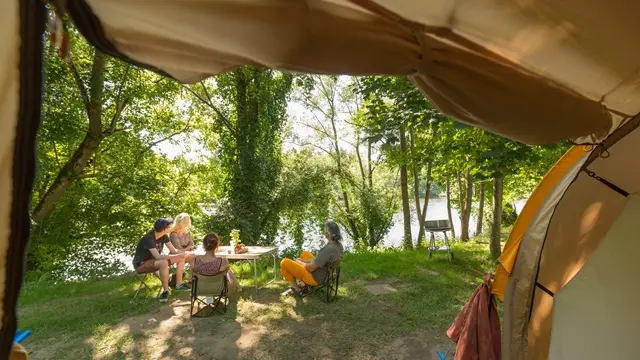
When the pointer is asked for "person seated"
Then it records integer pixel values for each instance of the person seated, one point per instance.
(181, 238)
(209, 264)
(148, 257)
(310, 270)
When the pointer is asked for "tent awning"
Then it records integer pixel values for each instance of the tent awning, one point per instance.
(532, 70)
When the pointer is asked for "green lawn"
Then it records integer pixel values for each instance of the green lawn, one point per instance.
(98, 320)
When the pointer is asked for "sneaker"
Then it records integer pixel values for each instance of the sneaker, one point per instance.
(182, 287)
(164, 296)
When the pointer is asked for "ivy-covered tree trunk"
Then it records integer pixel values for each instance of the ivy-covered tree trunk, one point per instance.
(496, 225)
(406, 209)
(425, 205)
(480, 209)
(448, 192)
(254, 156)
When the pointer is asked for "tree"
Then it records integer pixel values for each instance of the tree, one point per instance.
(480, 217)
(248, 110)
(336, 120)
(107, 91)
(102, 123)
(499, 157)
(393, 105)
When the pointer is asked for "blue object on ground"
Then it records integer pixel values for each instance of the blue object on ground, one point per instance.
(21, 336)
(441, 355)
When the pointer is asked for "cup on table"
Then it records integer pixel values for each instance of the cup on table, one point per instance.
(229, 251)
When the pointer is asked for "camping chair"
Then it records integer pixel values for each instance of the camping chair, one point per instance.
(142, 279)
(328, 291)
(215, 286)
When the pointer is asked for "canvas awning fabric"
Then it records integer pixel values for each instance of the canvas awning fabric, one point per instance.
(536, 71)
(529, 211)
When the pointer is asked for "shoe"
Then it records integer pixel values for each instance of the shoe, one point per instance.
(164, 296)
(182, 287)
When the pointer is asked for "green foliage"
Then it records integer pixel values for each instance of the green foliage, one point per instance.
(376, 208)
(249, 108)
(227, 134)
(361, 199)
(509, 215)
(127, 183)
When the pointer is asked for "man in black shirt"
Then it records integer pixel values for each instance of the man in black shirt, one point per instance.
(148, 257)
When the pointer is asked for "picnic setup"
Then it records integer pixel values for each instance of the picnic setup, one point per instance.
(218, 179)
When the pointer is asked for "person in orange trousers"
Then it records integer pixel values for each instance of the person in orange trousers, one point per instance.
(310, 270)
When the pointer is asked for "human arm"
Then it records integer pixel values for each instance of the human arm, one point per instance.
(154, 252)
(191, 245)
(173, 252)
(224, 265)
(321, 260)
(311, 266)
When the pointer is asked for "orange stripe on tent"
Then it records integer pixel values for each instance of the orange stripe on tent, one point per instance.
(539, 195)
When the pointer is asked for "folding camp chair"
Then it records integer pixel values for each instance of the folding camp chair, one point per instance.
(329, 291)
(142, 279)
(216, 287)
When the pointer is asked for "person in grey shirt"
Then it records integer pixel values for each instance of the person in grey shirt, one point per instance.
(181, 234)
(181, 238)
(310, 270)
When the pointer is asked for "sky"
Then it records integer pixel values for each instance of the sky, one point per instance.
(297, 115)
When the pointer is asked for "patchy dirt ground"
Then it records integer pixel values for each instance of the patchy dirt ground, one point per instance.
(376, 316)
(268, 328)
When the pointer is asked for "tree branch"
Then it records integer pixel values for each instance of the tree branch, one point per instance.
(116, 116)
(83, 90)
(55, 151)
(321, 131)
(210, 104)
(318, 147)
(186, 127)
(120, 104)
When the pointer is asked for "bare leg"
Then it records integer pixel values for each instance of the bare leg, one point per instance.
(234, 280)
(294, 285)
(179, 270)
(163, 268)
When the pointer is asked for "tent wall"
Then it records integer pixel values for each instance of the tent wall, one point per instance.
(486, 63)
(21, 26)
(561, 241)
(521, 285)
(581, 218)
(596, 314)
(547, 185)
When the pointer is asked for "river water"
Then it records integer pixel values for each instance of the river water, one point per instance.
(436, 210)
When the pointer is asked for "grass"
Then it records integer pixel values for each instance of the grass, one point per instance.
(98, 320)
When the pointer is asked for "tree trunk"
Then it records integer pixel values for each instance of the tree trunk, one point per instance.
(496, 226)
(453, 230)
(69, 172)
(480, 210)
(370, 228)
(416, 182)
(406, 210)
(74, 167)
(423, 214)
(465, 204)
(370, 166)
(345, 196)
(361, 166)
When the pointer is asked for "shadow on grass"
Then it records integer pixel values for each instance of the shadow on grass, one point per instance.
(98, 320)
